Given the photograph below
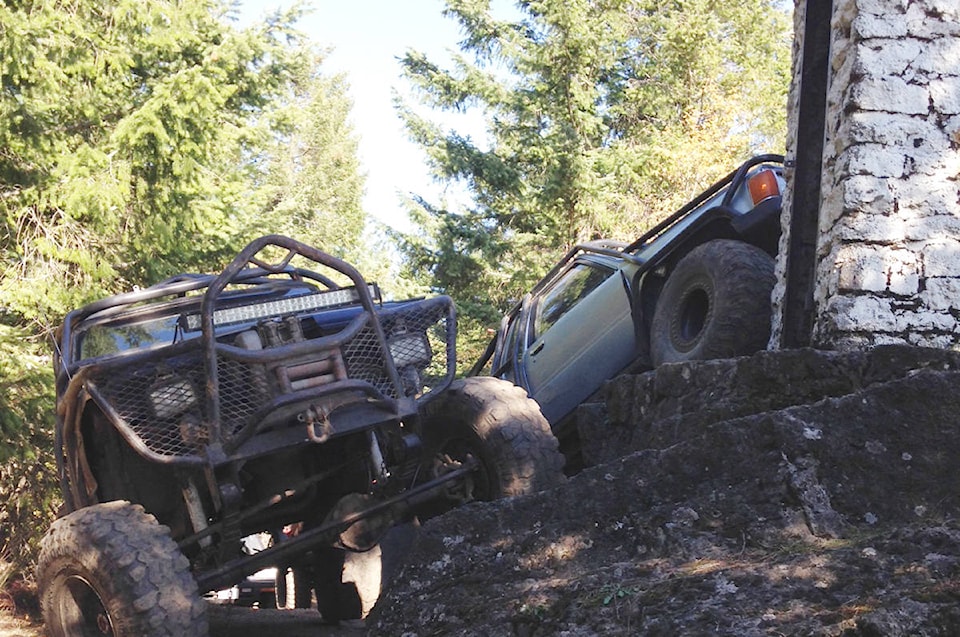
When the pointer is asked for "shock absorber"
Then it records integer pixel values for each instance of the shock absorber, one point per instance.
(376, 457)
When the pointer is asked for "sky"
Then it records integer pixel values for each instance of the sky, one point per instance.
(367, 37)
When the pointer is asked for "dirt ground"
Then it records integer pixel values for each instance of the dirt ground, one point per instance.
(801, 493)
(232, 621)
(228, 621)
(11, 626)
(792, 494)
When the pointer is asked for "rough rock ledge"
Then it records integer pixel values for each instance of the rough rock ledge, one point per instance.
(789, 493)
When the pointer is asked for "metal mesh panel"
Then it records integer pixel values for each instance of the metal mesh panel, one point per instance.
(364, 358)
(405, 329)
(161, 403)
(441, 335)
(243, 390)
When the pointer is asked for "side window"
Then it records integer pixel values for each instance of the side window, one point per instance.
(569, 290)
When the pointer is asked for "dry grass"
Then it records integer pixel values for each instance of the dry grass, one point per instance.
(17, 599)
(11, 626)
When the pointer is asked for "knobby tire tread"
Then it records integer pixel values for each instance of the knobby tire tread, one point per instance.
(510, 424)
(148, 588)
(742, 277)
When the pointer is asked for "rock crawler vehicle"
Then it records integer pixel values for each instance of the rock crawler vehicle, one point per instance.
(282, 393)
(697, 285)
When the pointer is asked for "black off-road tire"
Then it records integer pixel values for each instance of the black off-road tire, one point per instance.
(497, 423)
(112, 569)
(294, 588)
(715, 304)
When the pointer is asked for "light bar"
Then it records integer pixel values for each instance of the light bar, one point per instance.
(281, 307)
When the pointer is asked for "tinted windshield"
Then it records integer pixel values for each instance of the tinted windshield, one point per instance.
(176, 322)
(101, 340)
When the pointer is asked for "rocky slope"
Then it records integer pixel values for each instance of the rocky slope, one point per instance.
(798, 493)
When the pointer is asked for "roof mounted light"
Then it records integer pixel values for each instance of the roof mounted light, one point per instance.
(282, 307)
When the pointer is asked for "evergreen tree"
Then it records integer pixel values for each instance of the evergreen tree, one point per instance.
(601, 115)
(135, 138)
(139, 139)
(314, 185)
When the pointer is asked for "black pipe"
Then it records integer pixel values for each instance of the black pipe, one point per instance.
(233, 571)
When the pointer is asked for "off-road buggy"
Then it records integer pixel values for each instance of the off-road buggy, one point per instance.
(282, 393)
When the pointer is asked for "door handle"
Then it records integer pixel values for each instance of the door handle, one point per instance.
(537, 350)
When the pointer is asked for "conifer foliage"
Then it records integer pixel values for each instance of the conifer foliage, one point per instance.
(601, 116)
(138, 139)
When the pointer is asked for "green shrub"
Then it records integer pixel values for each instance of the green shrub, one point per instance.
(29, 488)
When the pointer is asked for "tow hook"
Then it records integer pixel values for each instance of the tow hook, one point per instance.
(313, 417)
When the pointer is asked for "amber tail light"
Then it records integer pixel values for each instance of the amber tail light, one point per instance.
(763, 185)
